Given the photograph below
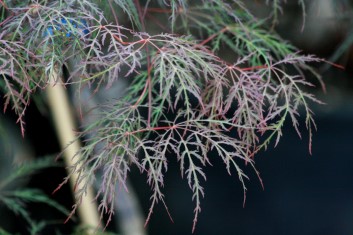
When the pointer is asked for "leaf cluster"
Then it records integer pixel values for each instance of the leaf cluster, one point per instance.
(232, 104)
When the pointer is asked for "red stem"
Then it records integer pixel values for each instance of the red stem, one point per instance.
(7, 19)
(3, 4)
(158, 128)
(335, 65)
(213, 36)
(142, 94)
(253, 68)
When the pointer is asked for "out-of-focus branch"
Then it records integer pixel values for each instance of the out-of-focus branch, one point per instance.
(65, 126)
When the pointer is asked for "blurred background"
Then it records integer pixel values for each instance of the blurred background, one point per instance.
(303, 194)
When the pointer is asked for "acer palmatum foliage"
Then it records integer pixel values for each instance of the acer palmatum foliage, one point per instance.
(232, 103)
